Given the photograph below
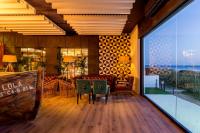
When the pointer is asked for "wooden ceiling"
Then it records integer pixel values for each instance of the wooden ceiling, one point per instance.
(42, 7)
(93, 17)
(19, 16)
(55, 11)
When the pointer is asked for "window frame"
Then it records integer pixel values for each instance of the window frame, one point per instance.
(165, 19)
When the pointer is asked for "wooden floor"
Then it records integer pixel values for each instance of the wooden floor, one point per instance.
(122, 114)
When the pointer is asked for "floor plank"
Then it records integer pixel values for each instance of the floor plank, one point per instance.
(122, 114)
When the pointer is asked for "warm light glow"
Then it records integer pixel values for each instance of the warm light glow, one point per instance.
(9, 58)
(122, 6)
(35, 30)
(95, 17)
(26, 25)
(93, 11)
(115, 13)
(19, 16)
(40, 32)
(24, 22)
(115, 34)
(13, 7)
(15, 11)
(25, 17)
(92, 6)
(135, 58)
(44, 34)
(30, 25)
(95, 29)
(89, 1)
(97, 24)
(4, 30)
(69, 59)
(9, 1)
(32, 28)
(124, 59)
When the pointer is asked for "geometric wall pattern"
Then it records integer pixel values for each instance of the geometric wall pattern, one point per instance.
(110, 49)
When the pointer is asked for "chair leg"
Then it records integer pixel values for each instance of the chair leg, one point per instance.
(106, 98)
(77, 97)
(80, 96)
(94, 98)
(89, 98)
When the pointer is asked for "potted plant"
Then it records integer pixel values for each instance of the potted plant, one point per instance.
(23, 63)
(81, 63)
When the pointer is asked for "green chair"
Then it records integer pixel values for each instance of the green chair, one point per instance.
(83, 87)
(100, 87)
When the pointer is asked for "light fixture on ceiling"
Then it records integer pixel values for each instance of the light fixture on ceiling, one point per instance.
(19, 16)
(30, 25)
(92, 6)
(97, 24)
(102, 17)
(10, 7)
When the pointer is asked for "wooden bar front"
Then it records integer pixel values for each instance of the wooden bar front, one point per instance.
(20, 96)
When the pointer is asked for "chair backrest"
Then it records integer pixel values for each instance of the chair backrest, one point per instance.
(130, 82)
(83, 86)
(100, 86)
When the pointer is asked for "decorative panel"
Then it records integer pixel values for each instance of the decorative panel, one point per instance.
(94, 17)
(110, 49)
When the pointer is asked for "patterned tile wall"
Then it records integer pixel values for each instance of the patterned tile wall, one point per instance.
(110, 49)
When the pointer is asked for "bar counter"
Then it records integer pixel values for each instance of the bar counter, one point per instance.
(20, 95)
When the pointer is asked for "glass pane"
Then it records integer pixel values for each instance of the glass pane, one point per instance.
(74, 62)
(64, 52)
(71, 52)
(85, 52)
(188, 64)
(77, 52)
(160, 62)
(172, 66)
(31, 59)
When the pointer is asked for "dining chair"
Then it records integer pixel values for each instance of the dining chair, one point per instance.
(100, 87)
(83, 87)
(66, 88)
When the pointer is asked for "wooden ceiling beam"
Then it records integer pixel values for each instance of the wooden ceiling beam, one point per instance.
(91, 1)
(42, 7)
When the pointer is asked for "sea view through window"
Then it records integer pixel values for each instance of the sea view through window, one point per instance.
(172, 66)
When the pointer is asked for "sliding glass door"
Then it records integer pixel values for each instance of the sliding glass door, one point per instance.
(172, 66)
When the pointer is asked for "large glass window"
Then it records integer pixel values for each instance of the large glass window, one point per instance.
(31, 58)
(74, 62)
(172, 66)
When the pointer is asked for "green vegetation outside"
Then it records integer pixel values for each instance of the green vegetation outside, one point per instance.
(155, 91)
(192, 94)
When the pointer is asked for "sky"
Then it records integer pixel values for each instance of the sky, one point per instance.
(177, 40)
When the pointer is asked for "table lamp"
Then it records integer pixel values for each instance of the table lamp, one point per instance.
(123, 60)
(9, 59)
(68, 59)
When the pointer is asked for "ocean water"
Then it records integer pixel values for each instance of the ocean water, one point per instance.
(191, 68)
(178, 68)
